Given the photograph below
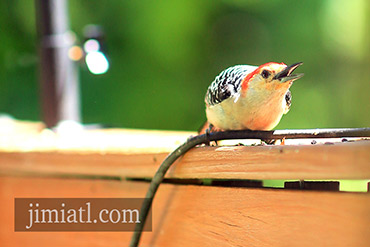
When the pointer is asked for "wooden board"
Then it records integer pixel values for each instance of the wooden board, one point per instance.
(340, 161)
(30, 149)
(202, 215)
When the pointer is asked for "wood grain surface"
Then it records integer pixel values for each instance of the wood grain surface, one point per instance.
(29, 149)
(202, 215)
(340, 161)
(37, 162)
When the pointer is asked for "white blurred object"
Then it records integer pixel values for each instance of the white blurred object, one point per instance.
(68, 128)
(91, 45)
(96, 62)
(6, 124)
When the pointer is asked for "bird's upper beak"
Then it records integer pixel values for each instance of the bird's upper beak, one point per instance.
(286, 74)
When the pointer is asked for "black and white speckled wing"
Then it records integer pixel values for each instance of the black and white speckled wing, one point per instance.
(227, 83)
(288, 100)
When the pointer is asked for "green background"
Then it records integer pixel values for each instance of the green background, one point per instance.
(164, 54)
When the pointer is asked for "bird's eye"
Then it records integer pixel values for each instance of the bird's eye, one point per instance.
(265, 74)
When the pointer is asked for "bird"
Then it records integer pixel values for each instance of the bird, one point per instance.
(250, 97)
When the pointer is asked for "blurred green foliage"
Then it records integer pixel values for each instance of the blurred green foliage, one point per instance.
(344, 185)
(164, 54)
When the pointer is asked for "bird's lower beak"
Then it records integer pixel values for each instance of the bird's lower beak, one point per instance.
(286, 74)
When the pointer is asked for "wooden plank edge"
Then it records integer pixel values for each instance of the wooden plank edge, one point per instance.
(341, 161)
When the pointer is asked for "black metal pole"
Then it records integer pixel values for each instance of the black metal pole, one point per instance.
(58, 74)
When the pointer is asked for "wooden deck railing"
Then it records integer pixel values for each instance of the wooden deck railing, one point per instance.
(35, 162)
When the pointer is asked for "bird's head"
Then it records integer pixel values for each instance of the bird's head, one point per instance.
(272, 77)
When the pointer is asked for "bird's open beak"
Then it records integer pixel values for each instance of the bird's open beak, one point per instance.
(286, 74)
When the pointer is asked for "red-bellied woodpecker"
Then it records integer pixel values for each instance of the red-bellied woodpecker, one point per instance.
(250, 97)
